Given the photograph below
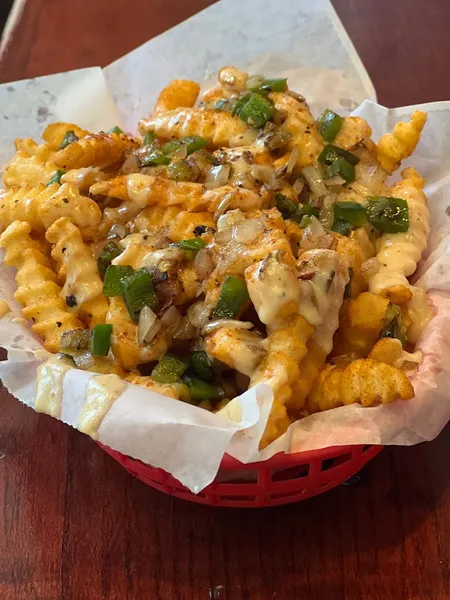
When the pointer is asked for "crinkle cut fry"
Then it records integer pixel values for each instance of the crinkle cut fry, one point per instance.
(29, 169)
(401, 143)
(219, 128)
(95, 150)
(79, 271)
(286, 348)
(55, 132)
(399, 254)
(364, 381)
(21, 203)
(37, 289)
(180, 93)
(301, 125)
(66, 201)
(147, 190)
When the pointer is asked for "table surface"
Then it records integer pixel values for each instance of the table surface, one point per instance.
(75, 526)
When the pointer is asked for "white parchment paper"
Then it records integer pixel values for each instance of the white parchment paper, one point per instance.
(308, 45)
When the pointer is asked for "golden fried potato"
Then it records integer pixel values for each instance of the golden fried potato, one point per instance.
(219, 128)
(364, 381)
(353, 131)
(55, 132)
(301, 126)
(180, 93)
(95, 150)
(37, 289)
(401, 143)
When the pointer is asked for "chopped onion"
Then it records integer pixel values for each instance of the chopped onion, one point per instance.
(312, 234)
(228, 324)
(336, 180)
(292, 160)
(84, 360)
(148, 325)
(185, 330)
(223, 205)
(203, 263)
(298, 186)
(170, 320)
(162, 259)
(198, 314)
(224, 236)
(370, 175)
(326, 216)
(181, 152)
(262, 173)
(117, 230)
(254, 81)
(370, 267)
(229, 219)
(217, 176)
(247, 231)
(314, 179)
(130, 165)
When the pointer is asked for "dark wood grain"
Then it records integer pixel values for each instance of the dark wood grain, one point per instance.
(75, 526)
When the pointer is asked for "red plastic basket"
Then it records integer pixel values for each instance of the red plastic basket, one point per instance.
(282, 479)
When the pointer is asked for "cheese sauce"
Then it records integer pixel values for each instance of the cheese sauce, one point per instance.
(101, 391)
(272, 288)
(49, 385)
(82, 280)
(399, 253)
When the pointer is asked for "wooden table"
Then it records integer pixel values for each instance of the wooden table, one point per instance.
(75, 526)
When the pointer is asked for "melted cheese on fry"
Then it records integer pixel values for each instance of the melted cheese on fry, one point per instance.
(49, 386)
(101, 391)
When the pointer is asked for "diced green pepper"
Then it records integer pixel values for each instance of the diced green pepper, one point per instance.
(149, 138)
(338, 162)
(191, 247)
(330, 153)
(101, 339)
(181, 170)
(220, 104)
(394, 327)
(254, 109)
(285, 205)
(343, 168)
(75, 340)
(169, 369)
(109, 253)
(351, 212)
(157, 157)
(56, 177)
(329, 125)
(113, 276)
(138, 291)
(342, 227)
(69, 138)
(305, 221)
(201, 363)
(115, 129)
(271, 85)
(233, 296)
(201, 390)
(192, 143)
(310, 210)
(388, 214)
